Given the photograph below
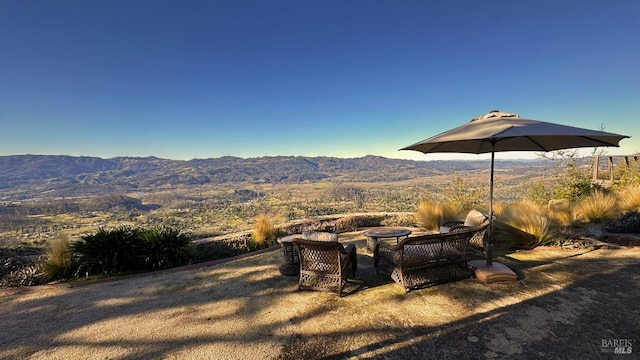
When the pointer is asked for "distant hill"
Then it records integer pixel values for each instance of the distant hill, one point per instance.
(29, 176)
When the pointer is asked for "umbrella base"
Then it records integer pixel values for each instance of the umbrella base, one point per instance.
(492, 273)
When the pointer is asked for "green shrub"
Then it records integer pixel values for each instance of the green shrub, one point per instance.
(540, 193)
(166, 247)
(125, 248)
(463, 197)
(627, 223)
(629, 175)
(572, 181)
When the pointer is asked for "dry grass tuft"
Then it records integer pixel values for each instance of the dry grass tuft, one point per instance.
(432, 214)
(59, 262)
(265, 231)
(598, 206)
(563, 213)
(629, 198)
(526, 222)
(499, 208)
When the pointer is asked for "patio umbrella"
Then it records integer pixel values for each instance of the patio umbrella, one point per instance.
(501, 131)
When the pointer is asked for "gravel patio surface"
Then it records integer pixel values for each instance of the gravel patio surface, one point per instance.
(566, 304)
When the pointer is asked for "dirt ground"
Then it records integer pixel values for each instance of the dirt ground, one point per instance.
(565, 304)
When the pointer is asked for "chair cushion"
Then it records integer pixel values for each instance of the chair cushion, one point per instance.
(319, 236)
(474, 218)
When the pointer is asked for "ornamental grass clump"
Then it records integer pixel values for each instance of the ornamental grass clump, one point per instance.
(599, 206)
(526, 222)
(629, 198)
(59, 263)
(431, 214)
(265, 232)
(563, 213)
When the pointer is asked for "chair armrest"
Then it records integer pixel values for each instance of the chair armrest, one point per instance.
(452, 223)
(459, 228)
(349, 248)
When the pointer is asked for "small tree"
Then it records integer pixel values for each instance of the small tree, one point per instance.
(463, 197)
(572, 181)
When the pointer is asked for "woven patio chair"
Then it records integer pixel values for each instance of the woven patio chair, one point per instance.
(325, 265)
(474, 218)
(426, 260)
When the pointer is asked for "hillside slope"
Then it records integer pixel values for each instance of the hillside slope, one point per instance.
(28, 176)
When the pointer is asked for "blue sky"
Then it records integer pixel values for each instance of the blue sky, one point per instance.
(201, 79)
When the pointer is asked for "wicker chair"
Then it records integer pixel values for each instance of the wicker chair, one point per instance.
(325, 265)
(474, 218)
(422, 261)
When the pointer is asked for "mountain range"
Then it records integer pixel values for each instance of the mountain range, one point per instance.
(29, 176)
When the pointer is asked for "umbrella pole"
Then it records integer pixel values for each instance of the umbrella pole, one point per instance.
(488, 271)
(489, 249)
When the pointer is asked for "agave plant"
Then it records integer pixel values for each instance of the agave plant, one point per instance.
(109, 251)
(166, 247)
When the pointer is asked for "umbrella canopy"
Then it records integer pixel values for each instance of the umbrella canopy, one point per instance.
(501, 131)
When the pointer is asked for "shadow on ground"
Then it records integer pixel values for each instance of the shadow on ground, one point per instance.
(569, 303)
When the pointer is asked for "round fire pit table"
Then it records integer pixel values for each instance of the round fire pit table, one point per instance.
(384, 232)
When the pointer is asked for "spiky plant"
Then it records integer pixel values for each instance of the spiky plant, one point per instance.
(109, 251)
(166, 247)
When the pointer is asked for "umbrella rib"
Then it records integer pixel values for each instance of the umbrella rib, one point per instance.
(602, 142)
(498, 140)
(536, 143)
